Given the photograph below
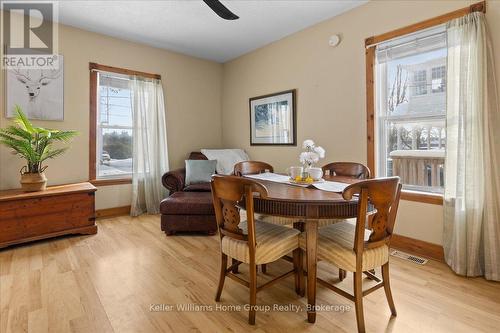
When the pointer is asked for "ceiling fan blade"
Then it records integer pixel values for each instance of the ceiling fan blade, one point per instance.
(221, 10)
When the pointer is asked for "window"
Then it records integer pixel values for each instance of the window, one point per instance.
(406, 134)
(420, 82)
(438, 79)
(410, 120)
(114, 126)
(111, 124)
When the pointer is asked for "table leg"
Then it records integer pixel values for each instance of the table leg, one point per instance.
(312, 249)
(300, 287)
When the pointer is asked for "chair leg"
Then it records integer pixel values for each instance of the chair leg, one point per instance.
(253, 293)
(264, 268)
(299, 274)
(235, 268)
(342, 274)
(222, 276)
(358, 301)
(387, 288)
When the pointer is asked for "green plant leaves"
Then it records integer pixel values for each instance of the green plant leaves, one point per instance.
(33, 143)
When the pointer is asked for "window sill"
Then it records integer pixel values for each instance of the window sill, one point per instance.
(110, 181)
(424, 197)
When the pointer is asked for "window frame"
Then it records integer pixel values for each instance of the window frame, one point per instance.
(370, 43)
(93, 69)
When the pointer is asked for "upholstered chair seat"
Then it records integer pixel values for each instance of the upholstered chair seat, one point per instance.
(272, 242)
(336, 244)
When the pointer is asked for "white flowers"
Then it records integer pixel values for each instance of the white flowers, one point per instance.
(312, 153)
(308, 157)
(308, 144)
(320, 151)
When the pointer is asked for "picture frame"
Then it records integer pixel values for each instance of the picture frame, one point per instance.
(39, 92)
(273, 119)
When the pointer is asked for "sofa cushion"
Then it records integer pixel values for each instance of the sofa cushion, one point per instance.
(201, 187)
(188, 203)
(199, 171)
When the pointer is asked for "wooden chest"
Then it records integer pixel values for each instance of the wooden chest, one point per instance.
(59, 210)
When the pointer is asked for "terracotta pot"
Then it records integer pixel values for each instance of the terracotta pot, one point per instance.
(32, 182)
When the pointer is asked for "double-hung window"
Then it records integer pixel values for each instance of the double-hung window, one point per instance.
(111, 126)
(438, 79)
(111, 156)
(410, 109)
(419, 83)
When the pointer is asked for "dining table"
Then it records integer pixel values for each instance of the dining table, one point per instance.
(308, 205)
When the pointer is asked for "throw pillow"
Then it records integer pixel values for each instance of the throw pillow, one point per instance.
(199, 171)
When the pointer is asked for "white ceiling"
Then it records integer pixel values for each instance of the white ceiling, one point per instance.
(191, 27)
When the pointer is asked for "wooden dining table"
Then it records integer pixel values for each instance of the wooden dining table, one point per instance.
(307, 205)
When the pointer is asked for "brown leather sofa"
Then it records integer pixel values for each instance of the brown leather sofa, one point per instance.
(187, 208)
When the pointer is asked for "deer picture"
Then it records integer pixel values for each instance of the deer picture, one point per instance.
(35, 83)
(38, 91)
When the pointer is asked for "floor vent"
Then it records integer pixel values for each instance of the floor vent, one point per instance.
(409, 257)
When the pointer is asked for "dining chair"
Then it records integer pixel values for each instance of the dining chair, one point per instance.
(255, 167)
(251, 168)
(347, 169)
(344, 169)
(251, 241)
(364, 245)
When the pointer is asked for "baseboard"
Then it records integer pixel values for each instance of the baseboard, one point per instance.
(112, 212)
(418, 247)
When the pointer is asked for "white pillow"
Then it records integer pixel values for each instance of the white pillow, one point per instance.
(226, 158)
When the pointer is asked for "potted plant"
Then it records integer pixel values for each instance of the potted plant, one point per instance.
(35, 145)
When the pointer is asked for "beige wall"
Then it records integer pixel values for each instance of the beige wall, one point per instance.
(193, 100)
(331, 90)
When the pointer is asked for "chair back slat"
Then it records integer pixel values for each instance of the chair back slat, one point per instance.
(227, 194)
(348, 169)
(251, 168)
(383, 195)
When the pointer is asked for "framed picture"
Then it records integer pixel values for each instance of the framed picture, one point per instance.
(273, 119)
(39, 92)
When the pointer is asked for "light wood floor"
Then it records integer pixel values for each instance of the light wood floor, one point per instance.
(107, 283)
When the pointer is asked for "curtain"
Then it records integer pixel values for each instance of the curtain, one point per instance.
(149, 146)
(472, 180)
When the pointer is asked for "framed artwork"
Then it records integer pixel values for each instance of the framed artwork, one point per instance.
(273, 119)
(39, 92)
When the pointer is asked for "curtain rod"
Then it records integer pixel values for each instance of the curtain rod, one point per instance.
(98, 67)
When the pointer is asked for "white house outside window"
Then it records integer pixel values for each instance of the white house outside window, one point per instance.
(411, 109)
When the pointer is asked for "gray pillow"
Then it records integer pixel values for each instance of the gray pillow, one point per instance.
(199, 171)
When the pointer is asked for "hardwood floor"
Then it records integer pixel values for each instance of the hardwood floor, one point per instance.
(108, 282)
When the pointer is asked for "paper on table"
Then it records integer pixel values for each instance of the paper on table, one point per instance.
(324, 186)
(331, 186)
(269, 176)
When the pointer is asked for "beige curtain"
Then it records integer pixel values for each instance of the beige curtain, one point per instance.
(472, 180)
(149, 146)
